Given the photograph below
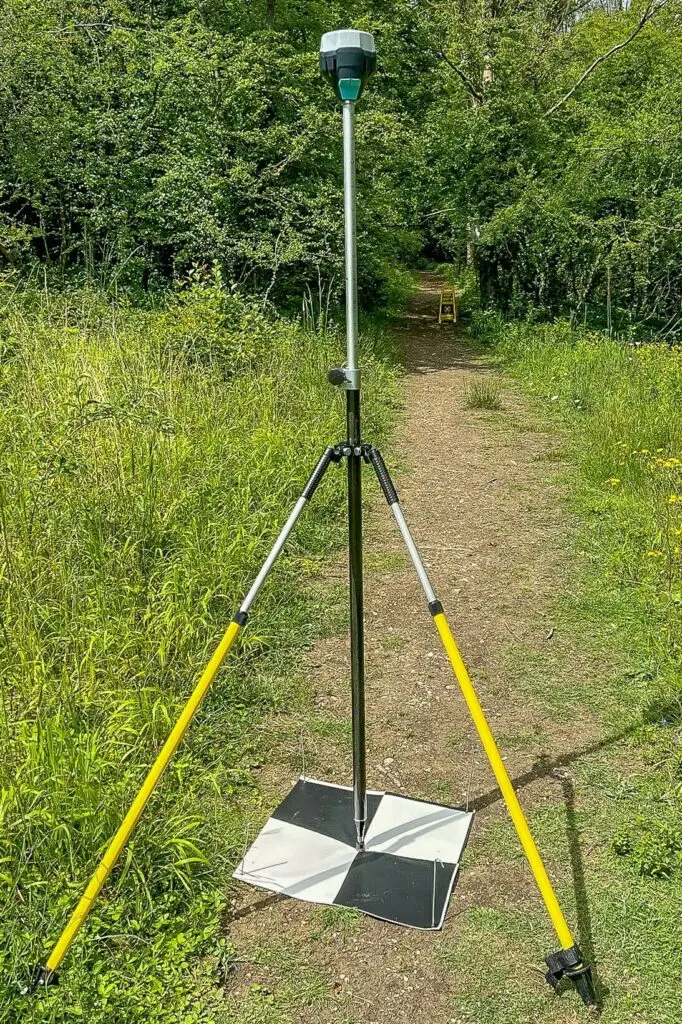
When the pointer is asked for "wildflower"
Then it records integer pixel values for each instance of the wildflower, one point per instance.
(654, 554)
(674, 498)
(613, 481)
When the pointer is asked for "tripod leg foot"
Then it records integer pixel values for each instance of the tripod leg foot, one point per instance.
(569, 963)
(42, 977)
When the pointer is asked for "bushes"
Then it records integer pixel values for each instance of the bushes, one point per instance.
(148, 461)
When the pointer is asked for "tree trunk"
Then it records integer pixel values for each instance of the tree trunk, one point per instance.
(270, 14)
(473, 235)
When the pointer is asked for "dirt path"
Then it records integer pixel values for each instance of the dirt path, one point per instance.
(479, 492)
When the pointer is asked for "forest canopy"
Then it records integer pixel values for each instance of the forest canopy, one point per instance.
(541, 139)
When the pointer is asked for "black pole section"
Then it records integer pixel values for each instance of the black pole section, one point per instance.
(357, 631)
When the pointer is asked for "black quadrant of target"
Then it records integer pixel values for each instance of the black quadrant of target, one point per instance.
(326, 809)
(398, 889)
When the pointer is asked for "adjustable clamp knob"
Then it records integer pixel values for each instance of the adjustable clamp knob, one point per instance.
(347, 380)
(337, 377)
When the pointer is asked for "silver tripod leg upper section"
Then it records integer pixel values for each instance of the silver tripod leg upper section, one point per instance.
(270, 560)
(414, 554)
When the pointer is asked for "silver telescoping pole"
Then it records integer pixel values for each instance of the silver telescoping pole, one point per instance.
(350, 234)
(347, 59)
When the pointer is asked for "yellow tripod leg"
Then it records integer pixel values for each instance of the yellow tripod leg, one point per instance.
(45, 974)
(504, 782)
(568, 962)
(104, 868)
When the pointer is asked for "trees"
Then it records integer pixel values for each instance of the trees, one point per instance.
(139, 141)
(562, 146)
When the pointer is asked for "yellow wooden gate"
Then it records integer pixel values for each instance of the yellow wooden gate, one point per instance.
(447, 310)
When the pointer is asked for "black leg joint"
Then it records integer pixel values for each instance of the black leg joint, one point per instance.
(42, 977)
(345, 449)
(436, 608)
(383, 476)
(568, 963)
(320, 469)
(240, 618)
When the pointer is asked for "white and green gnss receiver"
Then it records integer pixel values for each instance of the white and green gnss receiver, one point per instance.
(347, 58)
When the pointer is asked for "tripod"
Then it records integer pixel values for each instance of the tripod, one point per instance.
(386, 855)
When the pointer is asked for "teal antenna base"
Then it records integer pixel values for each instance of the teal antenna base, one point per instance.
(350, 89)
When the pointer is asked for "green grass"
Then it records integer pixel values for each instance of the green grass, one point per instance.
(339, 919)
(286, 985)
(337, 729)
(483, 395)
(610, 824)
(148, 461)
(619, 409)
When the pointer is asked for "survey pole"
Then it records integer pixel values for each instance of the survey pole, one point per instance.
(347, 59)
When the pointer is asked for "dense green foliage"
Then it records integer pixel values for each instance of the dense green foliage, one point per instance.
(139, 140)
(142, 139)
(148, 458)
(576, 207)
(169, 172)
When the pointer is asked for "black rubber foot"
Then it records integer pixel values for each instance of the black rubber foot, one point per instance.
(42, 977)
(568, 963)
(585, 985)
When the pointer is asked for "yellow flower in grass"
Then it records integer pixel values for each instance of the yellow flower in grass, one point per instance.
(613, 481)
(673, 499)
(654, 554)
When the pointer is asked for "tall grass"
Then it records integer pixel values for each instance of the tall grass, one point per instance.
(620, 406)
(147, 461)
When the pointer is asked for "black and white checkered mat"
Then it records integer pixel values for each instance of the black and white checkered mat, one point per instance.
(405, 874)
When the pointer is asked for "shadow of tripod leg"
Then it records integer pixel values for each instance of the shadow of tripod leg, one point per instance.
(568, 962)
(503, 780)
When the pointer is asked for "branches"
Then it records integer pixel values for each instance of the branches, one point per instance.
(80, 25)
(652, 8)
(471, 88)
